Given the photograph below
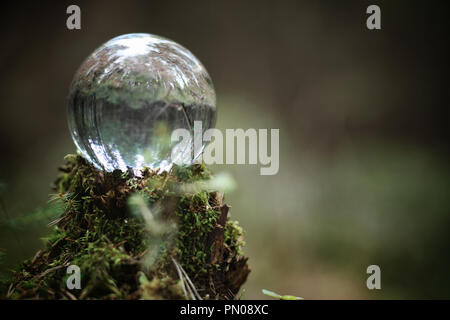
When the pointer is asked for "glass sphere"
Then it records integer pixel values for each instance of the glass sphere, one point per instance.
(128, 97)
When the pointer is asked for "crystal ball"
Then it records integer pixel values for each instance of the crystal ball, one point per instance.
(128, 97)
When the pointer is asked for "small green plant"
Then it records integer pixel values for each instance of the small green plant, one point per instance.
(280, 297)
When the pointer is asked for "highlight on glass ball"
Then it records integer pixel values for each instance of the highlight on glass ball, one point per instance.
(128, 97)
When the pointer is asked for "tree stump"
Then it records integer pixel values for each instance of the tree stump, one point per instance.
(156, 236)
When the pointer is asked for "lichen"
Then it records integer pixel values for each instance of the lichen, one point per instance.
(124, 253)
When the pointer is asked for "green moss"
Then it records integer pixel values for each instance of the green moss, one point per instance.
(234, 235)
(195, 225)
(125, 234)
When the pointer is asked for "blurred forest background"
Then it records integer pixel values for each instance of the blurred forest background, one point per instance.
(364, 164)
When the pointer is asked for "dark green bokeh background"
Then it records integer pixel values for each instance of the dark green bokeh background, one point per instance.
(364, 167)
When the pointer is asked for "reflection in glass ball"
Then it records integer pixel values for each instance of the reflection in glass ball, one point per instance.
(128, 97)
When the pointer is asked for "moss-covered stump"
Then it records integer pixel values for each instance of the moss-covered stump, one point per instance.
(157, 236)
